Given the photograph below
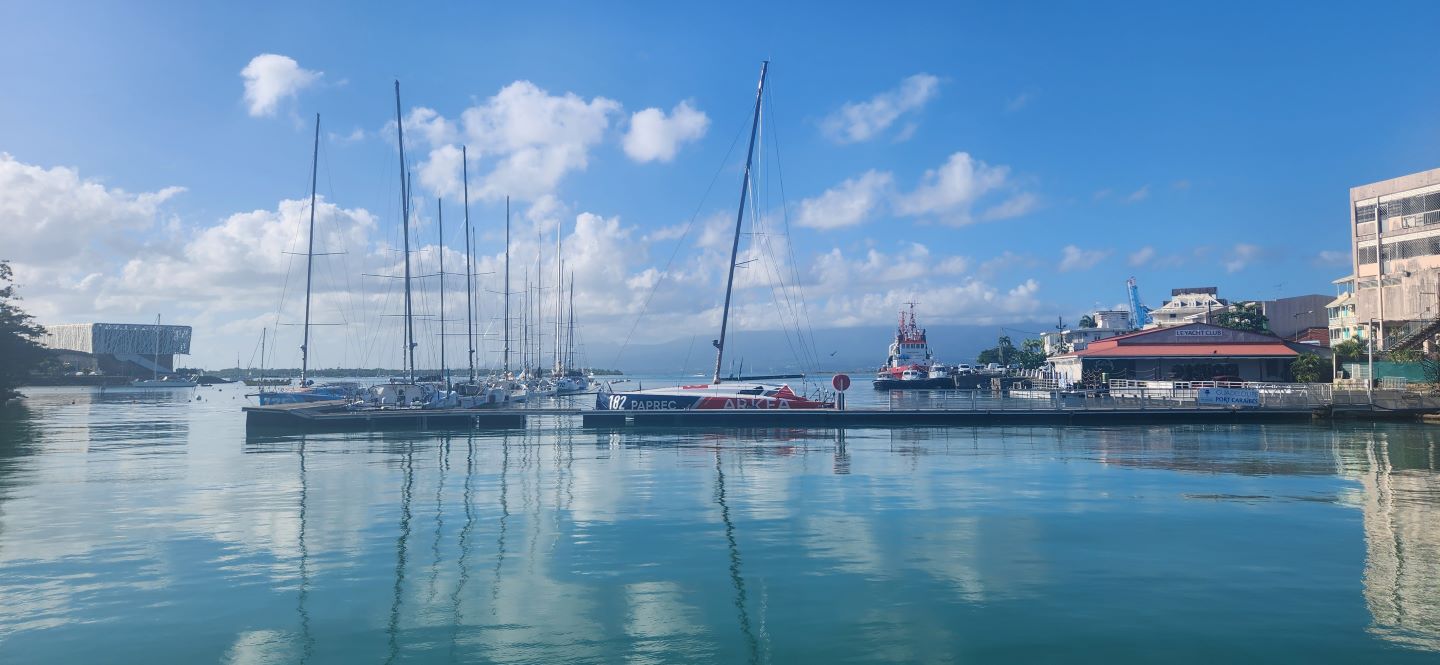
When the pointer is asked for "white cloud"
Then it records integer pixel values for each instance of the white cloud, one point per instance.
(850, 203)
(1020, 204)
(861, 121)
(441, 172)
(655, 137)
(50, 215)
(951, 191)
(1138, 195)
(1074, 258)
(1333, 258)
(1241, 256)
(270, 78)
(1142, 256)
(537, 138)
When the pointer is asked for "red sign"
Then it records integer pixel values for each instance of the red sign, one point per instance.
(841, 382)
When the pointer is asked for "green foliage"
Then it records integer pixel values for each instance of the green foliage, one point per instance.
(19, 352)
(1350, 348)
(1087, 321)
(1031, 354)
(1308, 368)
(1406, 356)
(1246, 316)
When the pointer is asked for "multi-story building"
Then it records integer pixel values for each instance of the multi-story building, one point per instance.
(1108, 323)
(1395, 249)
(124, 349)
(1190, 305)
(1340, 313)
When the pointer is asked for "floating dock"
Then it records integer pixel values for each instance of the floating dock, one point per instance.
(332, 416)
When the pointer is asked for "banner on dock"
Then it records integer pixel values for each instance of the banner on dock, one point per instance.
(1229, 396)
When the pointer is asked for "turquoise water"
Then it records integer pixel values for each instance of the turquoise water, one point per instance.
(145, 527)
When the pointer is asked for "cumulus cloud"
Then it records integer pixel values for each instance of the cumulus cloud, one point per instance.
(49, 215)
(951, 192)
(654, 136)
(1142, 256)
(1074, 258)
(850, 203)
(270, 78)
(861, 121)
(534, 137)
(1241, 256)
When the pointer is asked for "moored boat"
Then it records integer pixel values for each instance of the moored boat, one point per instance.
(717, 395)
(910, 364)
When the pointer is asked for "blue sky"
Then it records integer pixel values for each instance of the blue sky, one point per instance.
(1183, 145)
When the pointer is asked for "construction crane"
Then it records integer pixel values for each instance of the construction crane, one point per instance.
(1139, 313)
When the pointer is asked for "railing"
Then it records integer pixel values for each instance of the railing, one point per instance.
(1275, 396)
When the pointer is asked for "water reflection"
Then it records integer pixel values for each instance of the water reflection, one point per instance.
(766, 545)
(1401, 491)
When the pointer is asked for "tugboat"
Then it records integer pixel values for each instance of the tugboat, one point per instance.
(910, 364)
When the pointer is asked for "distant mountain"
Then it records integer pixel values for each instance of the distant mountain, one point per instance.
(768, 352)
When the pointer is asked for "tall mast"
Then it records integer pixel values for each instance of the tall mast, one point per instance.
(559, 282)
(739, 217)
(507, 286)
(262, 348)
(469, 268)
(409, 356)
(525, 325)
(310, 255)
(155, 369)
(570, 335)
(440, 220)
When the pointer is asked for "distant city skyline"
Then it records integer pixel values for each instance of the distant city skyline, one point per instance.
(999, 164)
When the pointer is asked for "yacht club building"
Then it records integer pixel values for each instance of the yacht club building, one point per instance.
(1191, 352)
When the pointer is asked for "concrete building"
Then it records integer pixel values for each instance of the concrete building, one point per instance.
(1108, 323)
(1290, 316)
(1340, 314)
(1187, 305)
(1395, 248)
(1191, 352)
(124, 349)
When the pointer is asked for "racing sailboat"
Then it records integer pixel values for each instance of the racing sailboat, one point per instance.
(717, 395)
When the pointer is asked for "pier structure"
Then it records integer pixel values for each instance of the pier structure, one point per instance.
(920, 408)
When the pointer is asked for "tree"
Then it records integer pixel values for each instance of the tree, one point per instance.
(1003, 353)
(19, 352)
(1308, 368)
(1087, 321)
(1245, 316)
(1031, 355)
(1350, 348)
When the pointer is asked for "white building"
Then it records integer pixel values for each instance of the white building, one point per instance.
(1108, 323)
(1189, 305)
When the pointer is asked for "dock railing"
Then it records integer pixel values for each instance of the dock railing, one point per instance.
(1126, 395)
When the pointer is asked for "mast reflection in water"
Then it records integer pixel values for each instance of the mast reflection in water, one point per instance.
(131, 529)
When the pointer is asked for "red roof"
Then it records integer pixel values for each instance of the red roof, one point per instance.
(1275, 350)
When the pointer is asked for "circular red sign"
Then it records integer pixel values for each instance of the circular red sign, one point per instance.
(841, 382)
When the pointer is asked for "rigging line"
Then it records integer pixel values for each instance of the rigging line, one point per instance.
(679, 243)
(806, 353)
(785, 216)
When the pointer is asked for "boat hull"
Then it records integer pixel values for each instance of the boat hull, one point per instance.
(706, 398)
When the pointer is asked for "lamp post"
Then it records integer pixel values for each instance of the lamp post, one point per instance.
(1370, 353)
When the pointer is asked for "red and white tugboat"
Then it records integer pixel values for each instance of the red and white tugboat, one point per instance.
(910, 364)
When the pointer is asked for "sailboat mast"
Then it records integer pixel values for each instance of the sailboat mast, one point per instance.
(409, 357)
(469, 266)
(310, 255)
(262, 348)
(155, 369)
(739, 217)
(570, 334)
(507, 287)
(559, 282)
(440, 220)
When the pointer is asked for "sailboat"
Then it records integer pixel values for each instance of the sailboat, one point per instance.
(406, 393)
(262, 380)
(155, 380)
(717, 395)
(306, 391)
(568, 379)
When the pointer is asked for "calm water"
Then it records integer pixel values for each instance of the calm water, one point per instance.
(143, 527)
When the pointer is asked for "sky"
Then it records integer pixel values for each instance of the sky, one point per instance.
(1000, 164)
